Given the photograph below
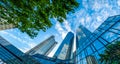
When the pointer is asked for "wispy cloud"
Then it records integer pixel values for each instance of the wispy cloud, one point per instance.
(27, 43)
(92, 13)
(118, 2)
(60, 30)
(67, 26)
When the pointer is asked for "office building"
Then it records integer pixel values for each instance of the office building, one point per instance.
(44, 47)
(94, 44)
(64, 51)
(81, 35)
(88, 46)
(9, 54)
(4, 25)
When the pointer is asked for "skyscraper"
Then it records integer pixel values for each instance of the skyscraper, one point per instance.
(82, 34)
(65, 49)
(8, 52)
(95, 43)
(4, 25)
(44, 47)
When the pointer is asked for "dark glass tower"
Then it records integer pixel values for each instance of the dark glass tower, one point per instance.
(65, 49)
(11, 55)
(44, 47)
(8, 52)
(4, 25)
(82, 34)
(95, 43)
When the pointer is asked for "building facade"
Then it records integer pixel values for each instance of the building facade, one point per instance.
(64, 51)
(44, 47)
(107, 33)
(9, 54)
(88, 47)
(4, 25)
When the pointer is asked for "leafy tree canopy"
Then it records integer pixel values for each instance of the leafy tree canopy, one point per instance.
(31, 16)
(111, 55)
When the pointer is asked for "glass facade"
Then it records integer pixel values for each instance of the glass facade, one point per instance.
(88, 47)
(4, 25)
(64, 51)
(44, 47)
(9, 52)
(107, 33)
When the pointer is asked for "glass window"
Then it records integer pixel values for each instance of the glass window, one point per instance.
(97, 44)
(117, 26)
(109, 19)
(97, 57)
(104, 28)
(101, 51)
(117, 18)
(83, 54)
(109, 36)
(93, 48)
(84, 61)
(116, 31)
(78, 58)
(103, 41)
(91, 59)
(89, 50)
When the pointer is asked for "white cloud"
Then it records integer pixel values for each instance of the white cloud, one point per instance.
(67, 25)
(24, 49)
(13, 36)
(96, 6)
(32, 44)
(118, 2)
(26, 42)
(60, 30)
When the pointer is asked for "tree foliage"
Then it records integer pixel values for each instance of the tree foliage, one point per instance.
(112, 54)
(31, 16)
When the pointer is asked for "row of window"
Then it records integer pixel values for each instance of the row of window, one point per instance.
(96, 44)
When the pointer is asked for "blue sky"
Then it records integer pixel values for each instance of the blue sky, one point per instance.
(90, 13)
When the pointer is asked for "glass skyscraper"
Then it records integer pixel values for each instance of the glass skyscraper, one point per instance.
(4, 25)
(9, 54)
(64, 51)
(44, 47)
(88, 46)
(95, 43)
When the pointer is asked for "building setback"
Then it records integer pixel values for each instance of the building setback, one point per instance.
(44, 47)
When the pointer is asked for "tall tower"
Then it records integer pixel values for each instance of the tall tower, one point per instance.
(65, 49)
(8, 52)
(44, 47)
(4, 25)
(82, 34)
(91, 45)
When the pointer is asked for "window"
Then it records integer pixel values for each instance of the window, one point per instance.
(103, 41)
(83, 54)
(115, 31)
(89, 50)
(109, 36)
(117, 18)
(97, 44)
(102, 50)
(117, 26)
